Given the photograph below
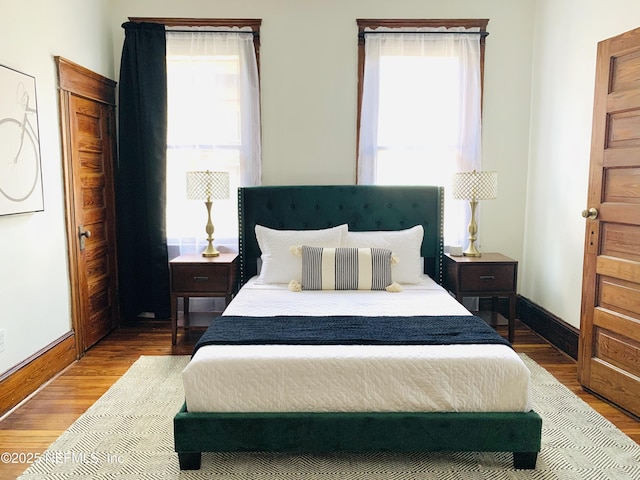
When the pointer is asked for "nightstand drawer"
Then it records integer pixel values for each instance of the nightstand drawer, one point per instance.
(200, 278)
(488, 278)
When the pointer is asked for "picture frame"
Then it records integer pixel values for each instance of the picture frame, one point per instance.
(21, 189)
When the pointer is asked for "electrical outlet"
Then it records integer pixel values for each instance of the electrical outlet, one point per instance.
(2, 345)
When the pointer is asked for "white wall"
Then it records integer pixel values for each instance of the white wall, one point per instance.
(565, 41)
(34, 280)
(539, 145)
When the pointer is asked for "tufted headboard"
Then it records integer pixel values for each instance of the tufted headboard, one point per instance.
(362, 207)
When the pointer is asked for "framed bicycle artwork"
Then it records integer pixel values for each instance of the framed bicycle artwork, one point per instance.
(20, 165)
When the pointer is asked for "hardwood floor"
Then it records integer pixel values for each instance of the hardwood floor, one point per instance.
(34, 425)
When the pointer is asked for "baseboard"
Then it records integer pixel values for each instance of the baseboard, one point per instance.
(25, 378)
(553, 329)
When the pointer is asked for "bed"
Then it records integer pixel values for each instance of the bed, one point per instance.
(286, 414)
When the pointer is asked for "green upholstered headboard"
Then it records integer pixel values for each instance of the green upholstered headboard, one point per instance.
(362, 207)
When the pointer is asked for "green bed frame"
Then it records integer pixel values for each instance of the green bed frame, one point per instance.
(364, 208)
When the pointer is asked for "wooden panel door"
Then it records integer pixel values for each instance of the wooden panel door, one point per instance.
(609, 357)
(88, 113)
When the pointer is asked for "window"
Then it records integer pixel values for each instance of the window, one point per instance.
(213, 124)
(420, 97)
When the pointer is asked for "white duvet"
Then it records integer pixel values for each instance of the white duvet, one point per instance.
(341, 378)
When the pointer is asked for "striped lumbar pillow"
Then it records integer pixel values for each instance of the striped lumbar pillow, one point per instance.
(346, 268)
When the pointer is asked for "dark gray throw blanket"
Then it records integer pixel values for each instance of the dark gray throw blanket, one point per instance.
(349, 330)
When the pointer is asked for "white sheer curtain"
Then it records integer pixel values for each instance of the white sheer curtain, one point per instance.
(421, 113)
(214, 124)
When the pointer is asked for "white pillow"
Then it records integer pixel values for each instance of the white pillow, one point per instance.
(405, 244)
(278, 265)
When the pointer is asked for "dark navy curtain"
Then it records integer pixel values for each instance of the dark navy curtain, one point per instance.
(140, 173)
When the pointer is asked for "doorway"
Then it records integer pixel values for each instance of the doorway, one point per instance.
(87, 119)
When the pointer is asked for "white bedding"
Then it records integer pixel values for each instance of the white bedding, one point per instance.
(340, 378)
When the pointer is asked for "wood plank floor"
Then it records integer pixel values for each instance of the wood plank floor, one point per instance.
(33, 426)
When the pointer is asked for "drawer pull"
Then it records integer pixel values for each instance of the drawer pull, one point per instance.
(487, 277)
(201, 279)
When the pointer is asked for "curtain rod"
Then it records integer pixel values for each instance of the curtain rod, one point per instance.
(252, 32)
(362, 34)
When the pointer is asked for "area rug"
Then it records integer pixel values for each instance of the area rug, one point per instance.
(128, 434)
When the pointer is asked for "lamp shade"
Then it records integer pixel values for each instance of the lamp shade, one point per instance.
(475, 185)
(206, 185)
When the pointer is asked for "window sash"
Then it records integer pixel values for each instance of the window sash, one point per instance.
(216, 142)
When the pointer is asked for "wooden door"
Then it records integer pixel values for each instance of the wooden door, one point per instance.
(87, 103)
(609, 357)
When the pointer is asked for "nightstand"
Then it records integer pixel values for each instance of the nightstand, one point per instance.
(198, 276)
(491, 275)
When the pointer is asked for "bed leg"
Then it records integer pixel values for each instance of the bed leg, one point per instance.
(525, 460)
(189, 460)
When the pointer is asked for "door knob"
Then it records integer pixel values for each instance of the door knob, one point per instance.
(592, 213)
(83, 234)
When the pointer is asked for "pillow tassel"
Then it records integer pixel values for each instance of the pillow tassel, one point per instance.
(394, 287)
(295, 286)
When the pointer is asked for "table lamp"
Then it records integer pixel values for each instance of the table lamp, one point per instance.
(206, 186)
(474, 186)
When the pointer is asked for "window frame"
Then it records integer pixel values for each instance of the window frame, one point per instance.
(253, 23)
(215, 23)
(373, 24)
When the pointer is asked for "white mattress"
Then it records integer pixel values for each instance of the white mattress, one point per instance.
(341, 378)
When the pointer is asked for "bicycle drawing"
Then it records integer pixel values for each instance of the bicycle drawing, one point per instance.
(20, 174)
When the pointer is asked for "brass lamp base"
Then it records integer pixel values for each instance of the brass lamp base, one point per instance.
(211, 250)
(472, 250)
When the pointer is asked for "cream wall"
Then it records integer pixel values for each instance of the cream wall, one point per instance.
(34, 280)
(308, 76)
(565, 41)
(537, 114)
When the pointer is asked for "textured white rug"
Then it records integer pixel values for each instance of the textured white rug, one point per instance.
(128, 434)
